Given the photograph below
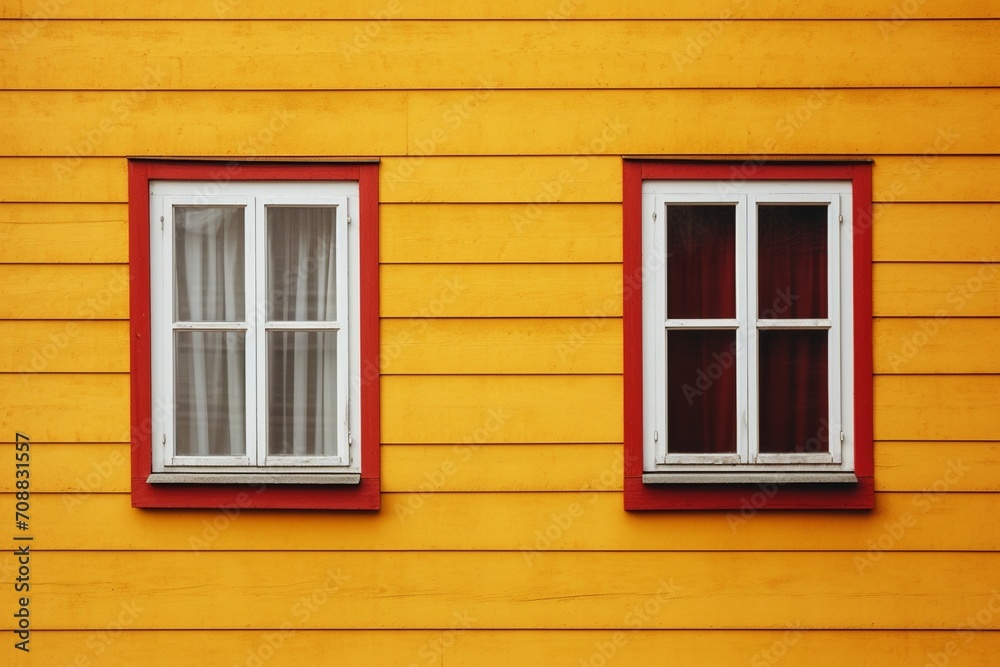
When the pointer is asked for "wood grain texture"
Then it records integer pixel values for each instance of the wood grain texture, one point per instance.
(936, 232)
(87, 468)
(507, 233)
(427, 54)
(61, 292)
(501, 346)
(562, 590)
(63, 233)
(378, 9)
(938, 345)
(495, 290)
(968, 289)
(937, 407)
(797, 645)
(499, 122)
(60, 346)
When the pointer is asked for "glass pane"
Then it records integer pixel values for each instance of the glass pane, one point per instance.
(701, 392)
(701, 261)
(210, 393)
(301, 263)
(209, 278)
(793, 391)
(792, 261)
(302, 393)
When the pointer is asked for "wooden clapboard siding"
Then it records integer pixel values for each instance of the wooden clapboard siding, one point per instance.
(501, 344)
(63, 233)
(460, 122)
(524, 179)
(900, 466)
(428, 519)
(512, 591)
(208, 55)
(554, 13)
(293, 646)
(510, 233)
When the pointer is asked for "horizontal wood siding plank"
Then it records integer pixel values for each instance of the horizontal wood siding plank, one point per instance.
(63, 233)
(496, 408)
(798, 646)
(899, 467)
(496, 290)
(378, 13)
(937, 345)
(509, 233)
(499, 122)
(936, 232)
(226, 55)
(523, 179)
(58, 292)
(70, 178)
(502, 346)
(52, 407)
(937, 407)
(969, 289)
(58, 346)
(531, 524)
(562, 590)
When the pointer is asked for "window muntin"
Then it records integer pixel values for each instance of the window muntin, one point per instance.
(263, 335)
(765, 307)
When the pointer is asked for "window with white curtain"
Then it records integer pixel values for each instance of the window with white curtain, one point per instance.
(254, 320)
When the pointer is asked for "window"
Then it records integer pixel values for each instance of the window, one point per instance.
(254, 301)
(748, 335)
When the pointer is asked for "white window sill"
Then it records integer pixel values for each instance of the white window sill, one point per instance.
(749, 478)
(253, 478)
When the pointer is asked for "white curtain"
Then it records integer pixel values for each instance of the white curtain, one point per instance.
(302, 365)
(209, 366)
(301, 283)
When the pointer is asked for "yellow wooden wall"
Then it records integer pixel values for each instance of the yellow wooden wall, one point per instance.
(502, 539)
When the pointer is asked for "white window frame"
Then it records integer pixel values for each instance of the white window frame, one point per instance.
(344, 466)
(748, 465)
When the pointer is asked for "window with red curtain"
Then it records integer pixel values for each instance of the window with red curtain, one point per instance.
(747, 323)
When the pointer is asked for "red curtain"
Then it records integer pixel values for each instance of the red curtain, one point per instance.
(792, 283)
(701, 364)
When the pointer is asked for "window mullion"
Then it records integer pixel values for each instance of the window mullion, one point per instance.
(257, 286)
(746, 212)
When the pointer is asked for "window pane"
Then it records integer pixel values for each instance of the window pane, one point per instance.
(210, 393)
(301, 263)
(701, 261)
(209, 278)
(793, 391)
(792, 261)
(302, 393)
(701, 392)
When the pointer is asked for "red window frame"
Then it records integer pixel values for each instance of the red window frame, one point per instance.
(363, 496)
(735, 496)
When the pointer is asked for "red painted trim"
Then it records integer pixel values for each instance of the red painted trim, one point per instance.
(364, 496)
(747, 497)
